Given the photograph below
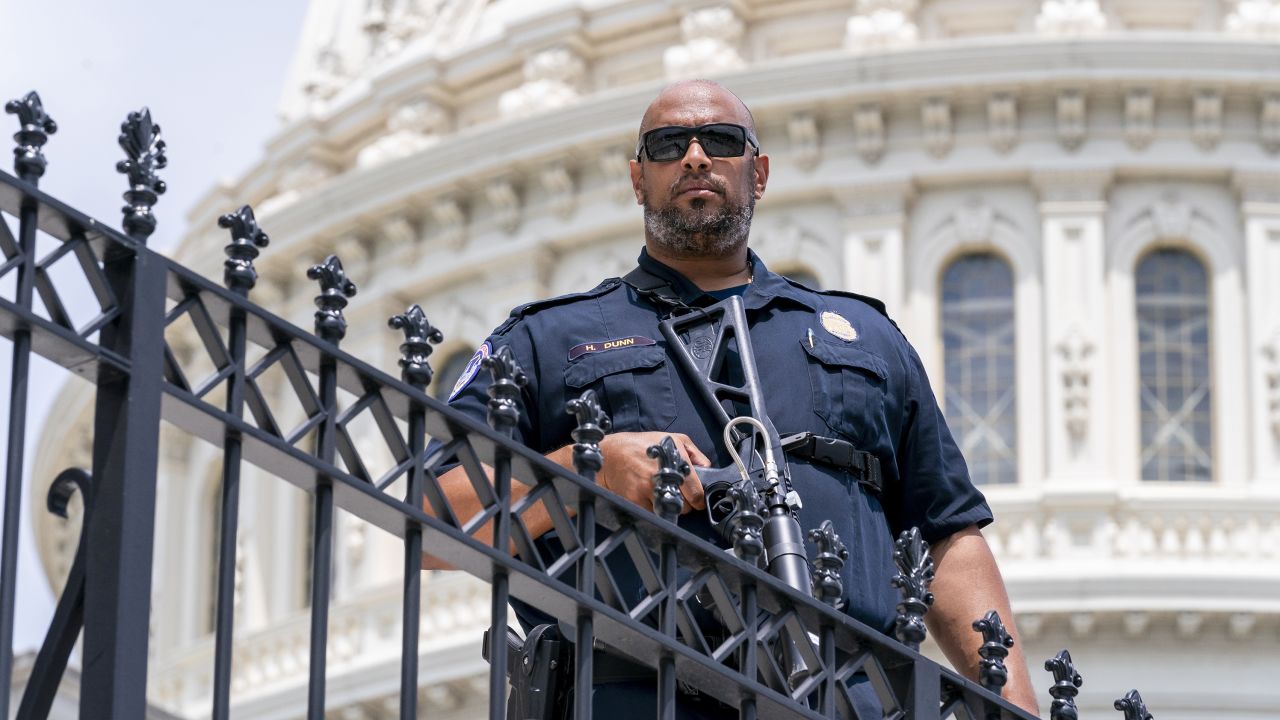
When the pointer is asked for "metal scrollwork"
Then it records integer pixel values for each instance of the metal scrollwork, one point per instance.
(996, 641)
(419, 335)
(140, 139)
(1133, 707)
(832, 555)
(246, 237)
(28, 157)
(335, 288)
(1066, 685)
(504, 391)
(672, 469)
(915, 572)
(592, 425)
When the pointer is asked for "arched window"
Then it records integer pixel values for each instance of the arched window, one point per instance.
(1174, 393)
(978, 347)
(448, 373)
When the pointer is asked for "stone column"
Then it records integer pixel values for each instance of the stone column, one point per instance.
(874, 231)
(1259, 193)
(1072, 210)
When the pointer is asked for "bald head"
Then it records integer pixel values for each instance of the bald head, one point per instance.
(690, 102)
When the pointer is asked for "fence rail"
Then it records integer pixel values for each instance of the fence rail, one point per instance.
(127, 349)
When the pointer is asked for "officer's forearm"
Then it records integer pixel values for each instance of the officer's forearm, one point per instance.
(966, 585)
(462, 499)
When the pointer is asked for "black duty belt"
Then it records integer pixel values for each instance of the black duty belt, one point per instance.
(835, 452)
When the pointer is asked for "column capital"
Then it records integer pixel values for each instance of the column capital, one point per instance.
(1258, 190)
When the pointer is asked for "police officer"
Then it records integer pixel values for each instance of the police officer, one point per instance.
(831, 364)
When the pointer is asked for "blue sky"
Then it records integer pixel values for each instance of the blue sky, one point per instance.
(211, 74)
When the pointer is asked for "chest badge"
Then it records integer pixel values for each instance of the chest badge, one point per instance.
(578, 351)
(837, 325)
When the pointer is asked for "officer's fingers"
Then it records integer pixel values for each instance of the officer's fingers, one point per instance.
(693, 495)
(691, 451)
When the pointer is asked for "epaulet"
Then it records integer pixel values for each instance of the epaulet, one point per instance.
(876, 304)
(527, 309)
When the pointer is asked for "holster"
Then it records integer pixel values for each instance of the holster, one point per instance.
(539, 668)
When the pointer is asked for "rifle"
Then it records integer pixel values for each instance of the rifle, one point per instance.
(703, 343)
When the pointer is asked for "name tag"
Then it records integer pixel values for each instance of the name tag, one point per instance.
(578, 351)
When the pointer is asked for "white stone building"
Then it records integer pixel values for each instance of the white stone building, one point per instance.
(1072, 207)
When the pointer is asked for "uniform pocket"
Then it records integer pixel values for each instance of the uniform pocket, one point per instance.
(848, 390)
(634, 385)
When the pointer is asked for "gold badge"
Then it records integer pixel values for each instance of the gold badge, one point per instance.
(837, 325)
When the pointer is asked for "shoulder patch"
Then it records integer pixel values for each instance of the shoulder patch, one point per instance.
(470, 371)
(523, 311)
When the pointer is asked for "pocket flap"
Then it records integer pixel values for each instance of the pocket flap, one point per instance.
(846, 356)
(589, 368)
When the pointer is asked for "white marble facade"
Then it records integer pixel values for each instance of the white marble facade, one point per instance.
(470, 155)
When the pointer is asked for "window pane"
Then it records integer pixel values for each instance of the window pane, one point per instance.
(1174, 392)
(978, 346)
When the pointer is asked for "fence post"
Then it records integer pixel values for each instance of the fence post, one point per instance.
(126, 433)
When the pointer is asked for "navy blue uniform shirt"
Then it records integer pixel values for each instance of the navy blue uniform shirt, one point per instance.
(830, 363)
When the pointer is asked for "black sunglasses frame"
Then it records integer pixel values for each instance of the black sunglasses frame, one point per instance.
(692, 132)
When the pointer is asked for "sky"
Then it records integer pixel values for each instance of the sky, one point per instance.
(211, 73)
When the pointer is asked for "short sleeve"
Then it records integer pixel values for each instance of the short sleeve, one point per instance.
(934, 491)
(470, 395)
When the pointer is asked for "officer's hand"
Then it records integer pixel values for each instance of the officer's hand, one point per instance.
(628, 470)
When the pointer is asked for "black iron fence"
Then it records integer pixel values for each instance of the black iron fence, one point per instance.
(126, 351)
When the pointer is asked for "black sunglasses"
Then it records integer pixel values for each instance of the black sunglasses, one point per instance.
(717, 140)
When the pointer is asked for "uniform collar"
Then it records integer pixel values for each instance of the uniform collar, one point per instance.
(765, 287)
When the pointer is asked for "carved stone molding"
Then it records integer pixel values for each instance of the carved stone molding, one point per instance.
(1002, 121)
(1258, 189)
(1171, 216)
(412, 127)
(868, 128)
(1075, 351)
(450, 220)
(1255, 18)
(1072, 118)
(327, 78)
(553, 78)
(505, 202)
(558, 184)
(397, 233)
(711, 39)
(1271, 376)
(1072, 188)
(935, 117)
(879, 24)
(973, 221)
(615, 165)
(1070, 18)
(1139, 118)
(802, 130)
(1206, 118)
(1269, 123)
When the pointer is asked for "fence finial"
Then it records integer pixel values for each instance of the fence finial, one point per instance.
(335, 288)
(996, 641)
(504, 391)
(140, 139)
(246, 237)
(593, 423)
(1133, 707)
(831, 557)
(419, 334)
(915, 572)
(747, 525)
(1066, 685)
(672, 468)
(28, 158)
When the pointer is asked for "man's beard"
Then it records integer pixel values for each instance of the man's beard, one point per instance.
(698, 232)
